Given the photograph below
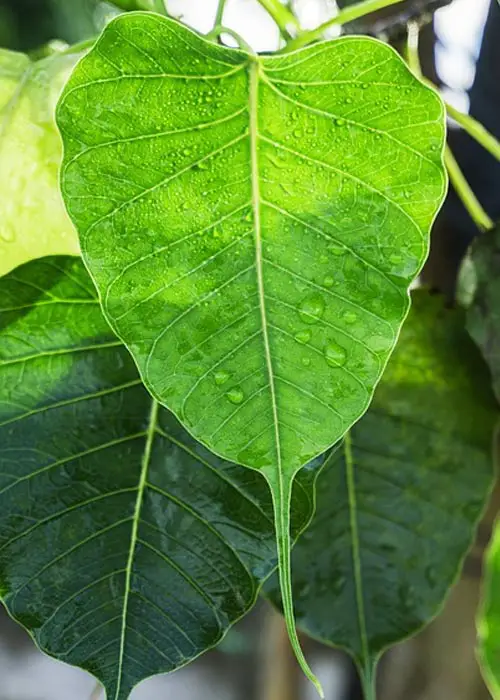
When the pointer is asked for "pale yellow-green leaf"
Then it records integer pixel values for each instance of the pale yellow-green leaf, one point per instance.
(33, 220)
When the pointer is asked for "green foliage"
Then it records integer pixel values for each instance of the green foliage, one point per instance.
(397, 508)
(252, 244)
(33, 220)
(483, 323)
(126, 547)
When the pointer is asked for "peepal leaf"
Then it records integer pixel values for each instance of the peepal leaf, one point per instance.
(398, 506)
(252, 224)
(34, 222)
(126, 547)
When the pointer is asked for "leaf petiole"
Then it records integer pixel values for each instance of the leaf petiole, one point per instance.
(218, 30)
(287, 23)
(464, 191)
(349, 14)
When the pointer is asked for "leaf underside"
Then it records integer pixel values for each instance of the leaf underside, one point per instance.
(253, 225)
(398, 506)
(34, 222)
(126, 548)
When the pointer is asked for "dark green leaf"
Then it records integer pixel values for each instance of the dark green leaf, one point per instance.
(253, 224)
(483, 324)
(126, 548)
(398, 506)
(483, 316)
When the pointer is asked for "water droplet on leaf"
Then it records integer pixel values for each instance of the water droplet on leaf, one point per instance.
(235, 395)
(221, 377)
(303, 337)
(335, 355)
(312, 308)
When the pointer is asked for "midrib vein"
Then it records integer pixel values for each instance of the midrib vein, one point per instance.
(356, 559)
(153, 419)
(256, 204)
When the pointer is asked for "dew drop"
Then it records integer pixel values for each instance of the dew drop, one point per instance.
(335, 355)
(312, 308)
(350, 317)
(340, 122)
(336, 250)
(306, 361)
(328, 281)
(221, 377)
(235, 395)
(303, 337)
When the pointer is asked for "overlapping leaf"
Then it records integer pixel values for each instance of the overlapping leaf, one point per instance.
(252, 224)
(126, 548)
(483, 323)
(34, 222)
(397, 508)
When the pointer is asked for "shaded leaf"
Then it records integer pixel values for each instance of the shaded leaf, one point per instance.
(253, 224)
(397, 508)
(483, 324)
(34, 222)
(483, 299)
(126, 548)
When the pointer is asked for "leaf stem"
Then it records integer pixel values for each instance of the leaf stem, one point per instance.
(457, 178)
(282, 503)
(343, 17)
(464, 191)
(368, 683)
(476, 130)
(286, 21)
(145, 5)
(219, 29)
(220, 13)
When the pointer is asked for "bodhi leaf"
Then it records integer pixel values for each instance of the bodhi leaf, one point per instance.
(398, 506)
(252, 225)
(34, 222)
(126, 547)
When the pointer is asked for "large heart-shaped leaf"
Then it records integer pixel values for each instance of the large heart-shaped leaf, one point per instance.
(34, 222)
(252, 224)
(397, 509)
(126, 548)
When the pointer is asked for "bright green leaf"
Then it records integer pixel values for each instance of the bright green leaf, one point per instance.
(489, 618)
(397, 508)
(126, 548)
(253, 224)
(33, 220)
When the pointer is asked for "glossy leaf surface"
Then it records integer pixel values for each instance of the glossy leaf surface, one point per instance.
(126, 548)
(247, 226)
(252, 225)
(397, 508)
(33, 220)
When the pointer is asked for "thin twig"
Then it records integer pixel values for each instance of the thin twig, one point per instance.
(284, 18)
(346, 15)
